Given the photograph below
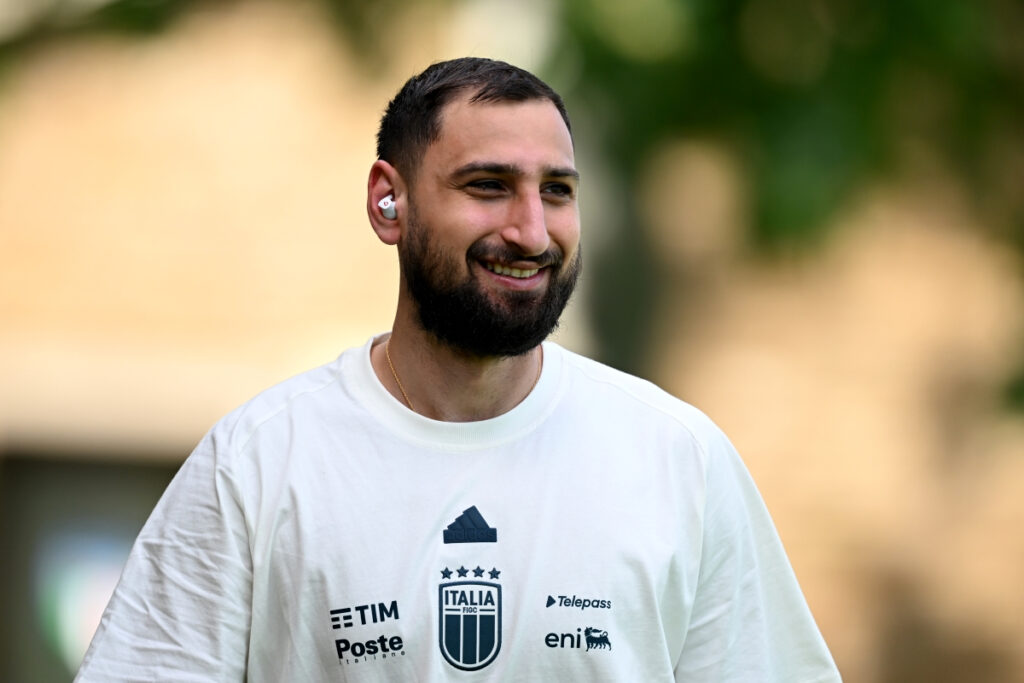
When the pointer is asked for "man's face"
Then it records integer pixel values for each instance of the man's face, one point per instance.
(491, 251)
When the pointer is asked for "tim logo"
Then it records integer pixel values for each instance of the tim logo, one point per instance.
(470, 623)
(365, 613)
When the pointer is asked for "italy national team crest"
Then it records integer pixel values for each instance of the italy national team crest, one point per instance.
(469, 614)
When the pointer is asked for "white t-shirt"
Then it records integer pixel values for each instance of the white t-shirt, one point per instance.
(602, 530)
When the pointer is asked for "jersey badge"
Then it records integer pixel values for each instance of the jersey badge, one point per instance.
(469, 619)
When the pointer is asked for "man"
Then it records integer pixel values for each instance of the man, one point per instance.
(457, 500)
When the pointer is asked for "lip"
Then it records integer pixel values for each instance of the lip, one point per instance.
(517, 283)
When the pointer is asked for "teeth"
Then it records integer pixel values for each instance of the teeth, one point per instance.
(511, 272)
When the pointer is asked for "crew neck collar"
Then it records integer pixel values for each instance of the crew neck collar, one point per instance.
(412, 426)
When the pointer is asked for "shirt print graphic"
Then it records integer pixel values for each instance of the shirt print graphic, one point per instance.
(469, 608)
(470, 527)
(469, 619)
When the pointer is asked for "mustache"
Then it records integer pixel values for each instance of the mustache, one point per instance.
(502, 254)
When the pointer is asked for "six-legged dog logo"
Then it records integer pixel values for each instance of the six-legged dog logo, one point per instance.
(596, 639)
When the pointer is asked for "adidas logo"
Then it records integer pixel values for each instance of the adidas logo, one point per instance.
(470, 527)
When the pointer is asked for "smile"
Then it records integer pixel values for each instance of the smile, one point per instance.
(511, 272)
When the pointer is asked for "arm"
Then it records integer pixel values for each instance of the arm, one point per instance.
(750, 620)
(182, 608)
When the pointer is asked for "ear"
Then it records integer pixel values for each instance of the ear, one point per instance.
(385, 180)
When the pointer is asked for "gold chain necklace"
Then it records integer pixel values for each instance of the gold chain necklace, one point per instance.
(408, 403)
(387, 354)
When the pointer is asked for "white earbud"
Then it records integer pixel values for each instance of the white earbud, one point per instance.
(387, 207)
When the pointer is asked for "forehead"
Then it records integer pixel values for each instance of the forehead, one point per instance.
(530, 135)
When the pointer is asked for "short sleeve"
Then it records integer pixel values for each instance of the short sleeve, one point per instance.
(181, 610)
(750, 621)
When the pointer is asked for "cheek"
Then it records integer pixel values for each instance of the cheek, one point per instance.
(455, 230)
(481, 218)
(565, 232)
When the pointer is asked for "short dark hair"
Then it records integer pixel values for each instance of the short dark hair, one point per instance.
(412, 119)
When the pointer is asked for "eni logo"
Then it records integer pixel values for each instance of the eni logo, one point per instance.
(596, 639)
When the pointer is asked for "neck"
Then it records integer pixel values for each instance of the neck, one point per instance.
(444, 384)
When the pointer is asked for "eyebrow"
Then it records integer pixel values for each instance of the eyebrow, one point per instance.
(512, 170)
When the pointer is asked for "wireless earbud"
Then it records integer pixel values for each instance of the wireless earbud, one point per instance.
(387, 207)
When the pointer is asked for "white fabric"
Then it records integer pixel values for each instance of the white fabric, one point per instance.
(625, 507)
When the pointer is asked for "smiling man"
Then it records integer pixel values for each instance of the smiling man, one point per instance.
(487, 228)
(459, 499)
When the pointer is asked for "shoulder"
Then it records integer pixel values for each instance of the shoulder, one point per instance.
(622, 396)
(297, 398)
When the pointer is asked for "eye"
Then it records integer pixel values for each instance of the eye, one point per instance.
(561, 190)
(486, 186)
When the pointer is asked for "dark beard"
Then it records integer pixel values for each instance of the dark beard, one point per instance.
(461, 315)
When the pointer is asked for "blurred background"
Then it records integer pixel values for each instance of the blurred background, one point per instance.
(806, 217)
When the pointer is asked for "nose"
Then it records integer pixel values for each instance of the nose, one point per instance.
(527, 225)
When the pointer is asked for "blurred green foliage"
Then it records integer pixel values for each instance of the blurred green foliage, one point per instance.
(136, 16)
(819, 97)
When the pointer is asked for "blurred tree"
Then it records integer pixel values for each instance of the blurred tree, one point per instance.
(820, 97)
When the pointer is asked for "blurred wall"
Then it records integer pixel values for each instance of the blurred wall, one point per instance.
(182, 224)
